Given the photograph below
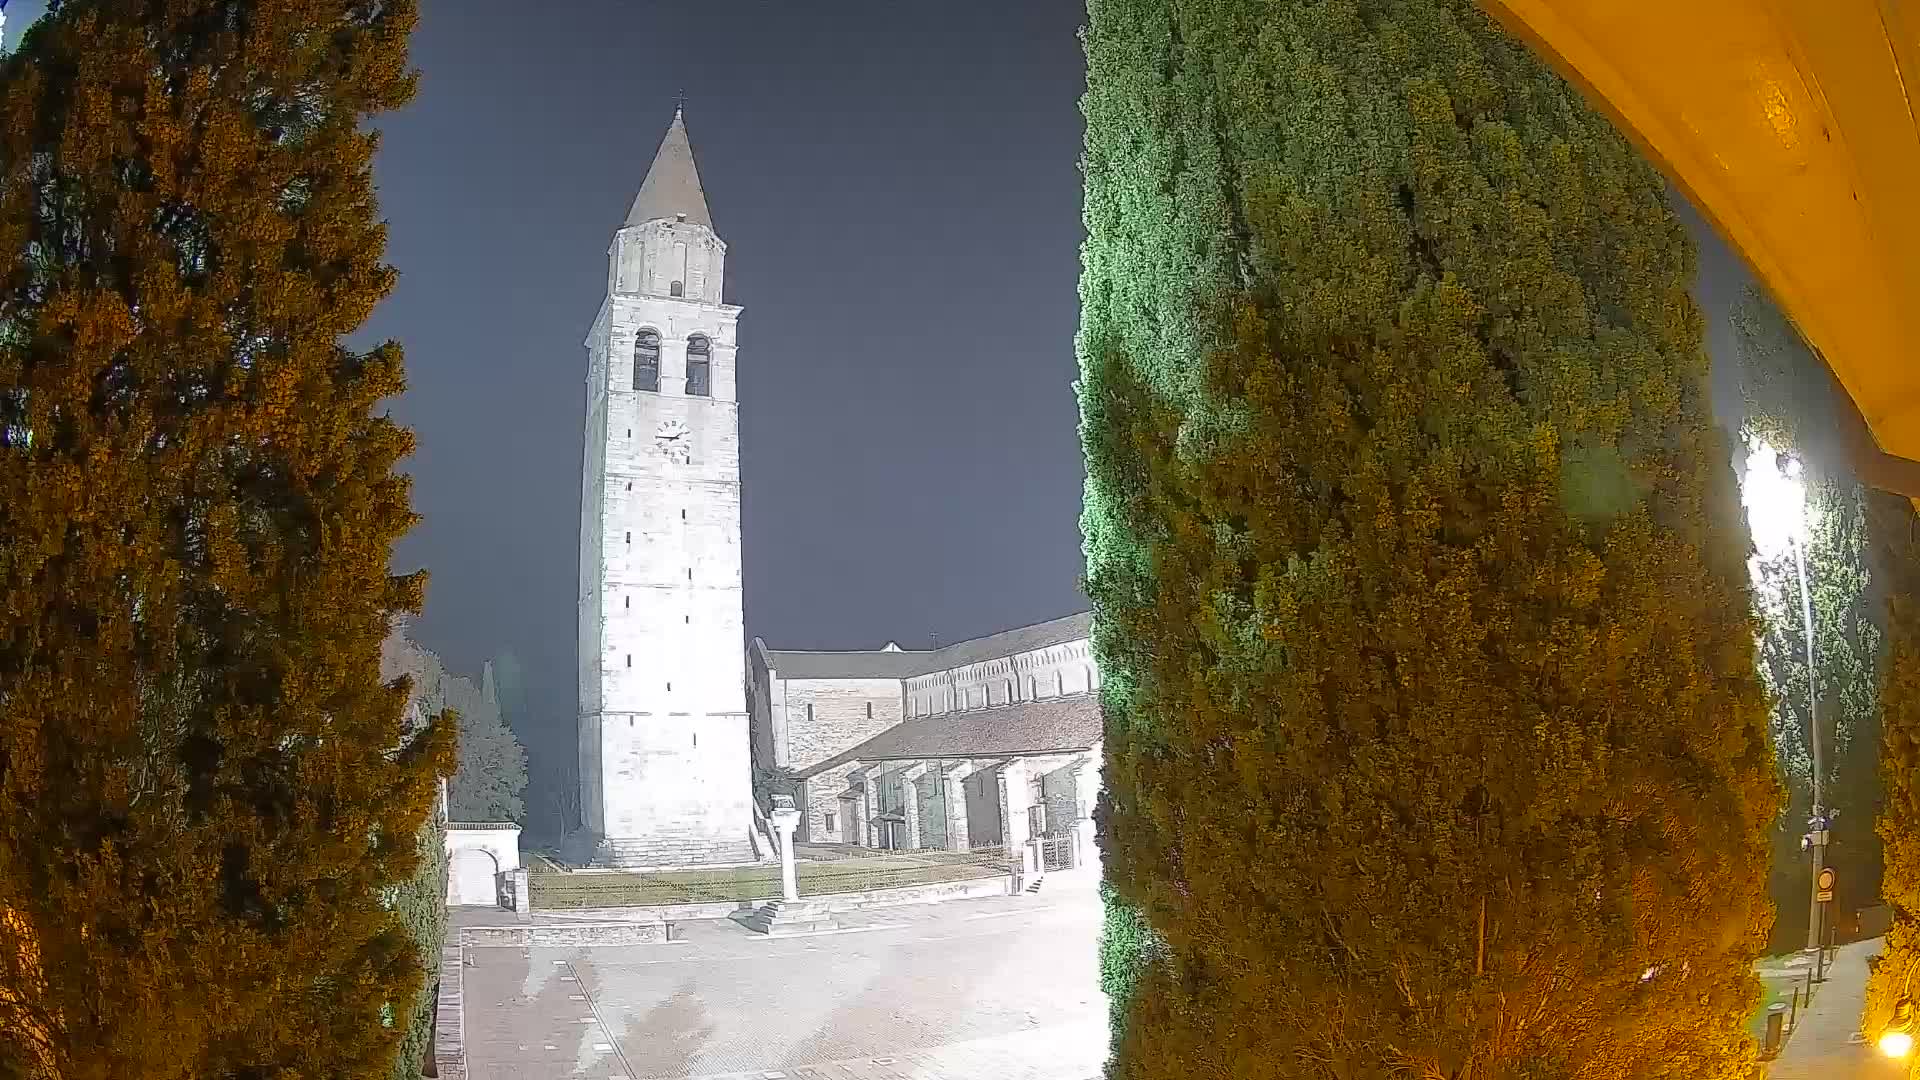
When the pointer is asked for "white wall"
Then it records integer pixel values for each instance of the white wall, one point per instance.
(474, 857)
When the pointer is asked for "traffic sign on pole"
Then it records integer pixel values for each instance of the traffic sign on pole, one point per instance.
(1823, 884)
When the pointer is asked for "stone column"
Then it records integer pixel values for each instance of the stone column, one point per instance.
(870, 835)
(1014, 801)
(785, 820)
(910, 791)
(1086, 789)
(954, 796)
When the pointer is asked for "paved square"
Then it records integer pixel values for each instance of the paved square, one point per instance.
(1002, 989)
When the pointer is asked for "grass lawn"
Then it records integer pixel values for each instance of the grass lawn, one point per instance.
(552, 889)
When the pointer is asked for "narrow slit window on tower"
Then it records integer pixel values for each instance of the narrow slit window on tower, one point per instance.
(688, 619)
(809, 714)
(869, 710)
(629, 659)
(699, 367)
(646, 361)
(629, 538)
(689, 573)
(629, 485)
(626, 601)
(683, 515)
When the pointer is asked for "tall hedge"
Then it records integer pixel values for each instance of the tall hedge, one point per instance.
(206, 789)
(1789, 403)
(1435, 746)
(1896, 974)
(421, 903)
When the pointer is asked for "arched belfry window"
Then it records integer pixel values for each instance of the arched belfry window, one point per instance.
(699, 367)
(677, 289)
(646, 361)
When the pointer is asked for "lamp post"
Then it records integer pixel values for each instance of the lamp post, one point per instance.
(1775, 494)
(1774, 491)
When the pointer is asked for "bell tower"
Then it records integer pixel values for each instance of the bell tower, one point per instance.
(665, 771)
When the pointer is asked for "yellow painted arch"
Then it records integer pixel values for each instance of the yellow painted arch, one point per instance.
(1790, 125)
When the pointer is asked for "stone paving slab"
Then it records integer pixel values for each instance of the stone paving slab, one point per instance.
(991, 989)
(1076, 1052)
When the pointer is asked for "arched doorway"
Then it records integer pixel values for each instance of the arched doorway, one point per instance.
(471, 878)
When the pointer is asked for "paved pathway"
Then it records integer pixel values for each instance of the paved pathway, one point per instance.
(1000, 989)
(1827, 1045)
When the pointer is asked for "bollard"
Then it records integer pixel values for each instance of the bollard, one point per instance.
(1793, 1017)
(1776, 1028)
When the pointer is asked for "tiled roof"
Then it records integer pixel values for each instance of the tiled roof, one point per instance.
(1028, 727)
(905, 664)
(865, 664)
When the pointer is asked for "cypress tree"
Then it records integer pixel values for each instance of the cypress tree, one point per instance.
(1896, 541)
(207, 793)
(1434, 741)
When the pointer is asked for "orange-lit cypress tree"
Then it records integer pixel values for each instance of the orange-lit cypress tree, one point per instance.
(207, 795)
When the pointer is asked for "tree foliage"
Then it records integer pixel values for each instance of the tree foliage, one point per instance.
(1789, 405)
(206, 789)
(1435, 745)
(421, 903)
(1896, 544)
(490, 779)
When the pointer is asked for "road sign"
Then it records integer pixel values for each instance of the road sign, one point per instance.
(1823, 884)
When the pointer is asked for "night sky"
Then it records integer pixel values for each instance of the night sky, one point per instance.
(898, 188)
(900, 199)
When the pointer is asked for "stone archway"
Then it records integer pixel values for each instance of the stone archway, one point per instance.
(473, 878)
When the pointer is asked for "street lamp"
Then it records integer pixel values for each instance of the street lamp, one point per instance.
(1896, 1039)
(1775, 495)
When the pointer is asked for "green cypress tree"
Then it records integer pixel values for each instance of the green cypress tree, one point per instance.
(421, 903)
(1434, 741)
(206, 789)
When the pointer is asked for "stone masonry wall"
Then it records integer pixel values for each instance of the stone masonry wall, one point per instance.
(845, 713)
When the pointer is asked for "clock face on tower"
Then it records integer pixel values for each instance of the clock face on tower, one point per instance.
(672, 438)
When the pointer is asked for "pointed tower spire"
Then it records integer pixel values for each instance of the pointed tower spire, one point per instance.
(488, 693)
(672, 187)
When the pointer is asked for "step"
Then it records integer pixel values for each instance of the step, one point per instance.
(777, 918)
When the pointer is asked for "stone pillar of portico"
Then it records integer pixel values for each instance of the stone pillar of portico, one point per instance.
(910, 792)
(785, 820)
(1014, 800)
(869, 836)
(1086, 790)
(954, 796)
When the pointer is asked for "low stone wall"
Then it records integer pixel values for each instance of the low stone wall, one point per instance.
(449, 1021)
(565, 935)
(719, 909)
(969, 889)
(966, 889)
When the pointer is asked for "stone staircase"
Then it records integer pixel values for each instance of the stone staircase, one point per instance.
(777, 917)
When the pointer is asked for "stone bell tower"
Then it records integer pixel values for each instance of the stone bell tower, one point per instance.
(665, 771)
